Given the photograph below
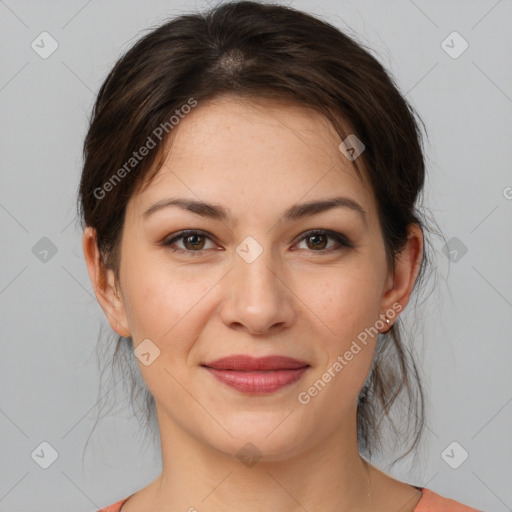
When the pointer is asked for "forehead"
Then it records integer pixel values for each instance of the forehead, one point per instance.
(268, 128)
(238, 150)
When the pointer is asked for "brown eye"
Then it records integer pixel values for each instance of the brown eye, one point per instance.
(318, 241)
(193, 241)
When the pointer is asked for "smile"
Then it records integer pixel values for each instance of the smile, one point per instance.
(257, 375)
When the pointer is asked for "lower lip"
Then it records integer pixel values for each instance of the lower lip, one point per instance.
(258, 382)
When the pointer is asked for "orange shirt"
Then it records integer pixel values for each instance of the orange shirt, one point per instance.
(430, 502)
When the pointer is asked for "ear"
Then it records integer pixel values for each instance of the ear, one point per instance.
(103, 282)
(400, 284)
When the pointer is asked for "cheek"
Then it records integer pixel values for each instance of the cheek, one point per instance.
(347, 307)
(347, 304)
(164, 305)
(162, 301)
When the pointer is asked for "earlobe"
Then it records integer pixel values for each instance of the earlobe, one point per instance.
(407, 266)
(103, 282)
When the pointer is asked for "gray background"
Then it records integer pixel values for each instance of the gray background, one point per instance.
(50, 318)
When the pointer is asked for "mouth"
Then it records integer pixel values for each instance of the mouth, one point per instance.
(257, 375)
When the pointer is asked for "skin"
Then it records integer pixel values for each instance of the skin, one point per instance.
(299, 298)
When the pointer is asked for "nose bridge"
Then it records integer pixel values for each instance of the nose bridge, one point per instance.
(255, 268)
(258, 299)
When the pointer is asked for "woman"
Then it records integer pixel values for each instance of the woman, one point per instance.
(248, 201)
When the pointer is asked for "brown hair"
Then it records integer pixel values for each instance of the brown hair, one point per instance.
(275, 52)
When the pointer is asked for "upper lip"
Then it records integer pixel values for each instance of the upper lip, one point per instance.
(249, 363)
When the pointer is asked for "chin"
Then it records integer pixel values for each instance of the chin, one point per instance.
(264, 439)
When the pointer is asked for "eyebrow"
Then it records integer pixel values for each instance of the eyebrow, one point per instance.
(297, 211)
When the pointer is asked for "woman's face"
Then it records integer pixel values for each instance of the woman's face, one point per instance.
(254, 282)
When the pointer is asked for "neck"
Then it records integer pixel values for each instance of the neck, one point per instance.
(331, 475)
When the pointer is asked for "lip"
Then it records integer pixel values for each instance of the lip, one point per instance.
(257, 375)
(249, 364)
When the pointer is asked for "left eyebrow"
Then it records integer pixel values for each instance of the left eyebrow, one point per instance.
(313, 207)
(297, 211)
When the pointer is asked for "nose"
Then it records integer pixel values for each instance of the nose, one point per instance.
(257, 297)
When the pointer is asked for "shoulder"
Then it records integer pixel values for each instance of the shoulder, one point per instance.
(116, 507)
(429, 502)
(432, 502)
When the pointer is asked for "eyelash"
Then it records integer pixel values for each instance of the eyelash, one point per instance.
(338, 237)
